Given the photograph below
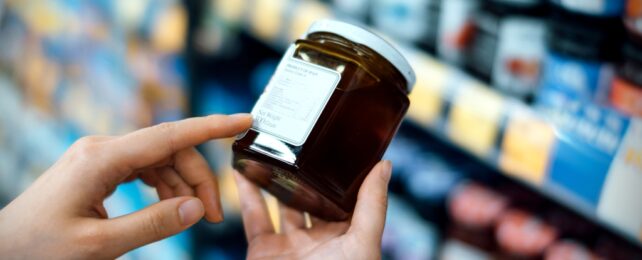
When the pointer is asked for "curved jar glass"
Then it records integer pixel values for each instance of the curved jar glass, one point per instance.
(325, 119)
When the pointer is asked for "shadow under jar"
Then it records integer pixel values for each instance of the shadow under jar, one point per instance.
(325, 119)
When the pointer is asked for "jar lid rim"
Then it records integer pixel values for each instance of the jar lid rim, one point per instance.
(363, 36)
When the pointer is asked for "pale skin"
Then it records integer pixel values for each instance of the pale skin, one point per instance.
(61, 215)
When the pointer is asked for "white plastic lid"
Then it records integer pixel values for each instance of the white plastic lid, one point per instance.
(363, 36)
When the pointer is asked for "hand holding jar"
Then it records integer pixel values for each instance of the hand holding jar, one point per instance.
(357, 238)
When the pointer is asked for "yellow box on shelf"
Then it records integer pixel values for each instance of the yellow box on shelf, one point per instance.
(170, 30)
(231, 11)
(303, 15)
(44, 17)
(266, 18)
(426, 101)
(474, 120)
(527, 145)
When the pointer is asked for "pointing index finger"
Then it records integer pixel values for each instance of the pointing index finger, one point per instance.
(152, 144)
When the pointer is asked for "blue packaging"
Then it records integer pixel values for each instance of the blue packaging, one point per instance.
(581, 53)
(594, 7)
(576, 78)
(589, 137)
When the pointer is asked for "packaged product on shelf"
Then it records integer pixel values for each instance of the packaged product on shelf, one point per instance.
(626, 88)
(568, 249)
(406, 235)
(431, 180)
(231, 11)
(475, 118)
(633, 16)
(429, 41)
(516, 69)
(455, 29)
(428, 183)
(619, 199)
(418, 18)
(476, 206)
(168, 28)
(521, 234)
(130, 14)
(303, 14)
(475, 210)
(579, 62)
(603, 8)
(573, 95)
(266, 18)
(353, 9)
(325, 119)
(527, 144)
(583, 158)
(514, 26)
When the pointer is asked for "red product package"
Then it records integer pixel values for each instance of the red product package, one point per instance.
(475, 206)
(520, 233)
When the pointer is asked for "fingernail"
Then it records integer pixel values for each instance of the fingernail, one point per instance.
(386, 170)
(219, 217)
(190, 211)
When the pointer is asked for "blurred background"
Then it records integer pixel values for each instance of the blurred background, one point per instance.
(523, 140)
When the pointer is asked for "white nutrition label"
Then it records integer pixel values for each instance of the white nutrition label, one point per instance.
(294, 99)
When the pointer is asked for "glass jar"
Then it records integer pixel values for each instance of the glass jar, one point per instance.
(325, 118)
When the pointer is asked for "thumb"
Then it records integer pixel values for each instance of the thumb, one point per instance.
(369, 214)
(158, 221)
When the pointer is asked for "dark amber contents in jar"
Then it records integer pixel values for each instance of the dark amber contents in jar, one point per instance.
(323, 172)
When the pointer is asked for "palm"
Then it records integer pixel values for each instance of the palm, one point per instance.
(325, 241)
(359, 238)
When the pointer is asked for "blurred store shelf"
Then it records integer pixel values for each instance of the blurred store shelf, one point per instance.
(75, 68)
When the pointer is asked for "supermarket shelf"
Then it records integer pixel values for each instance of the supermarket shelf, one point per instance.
(521, 142)
(593, 166)
(58, 84)
(27, 138)
(526, 144)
